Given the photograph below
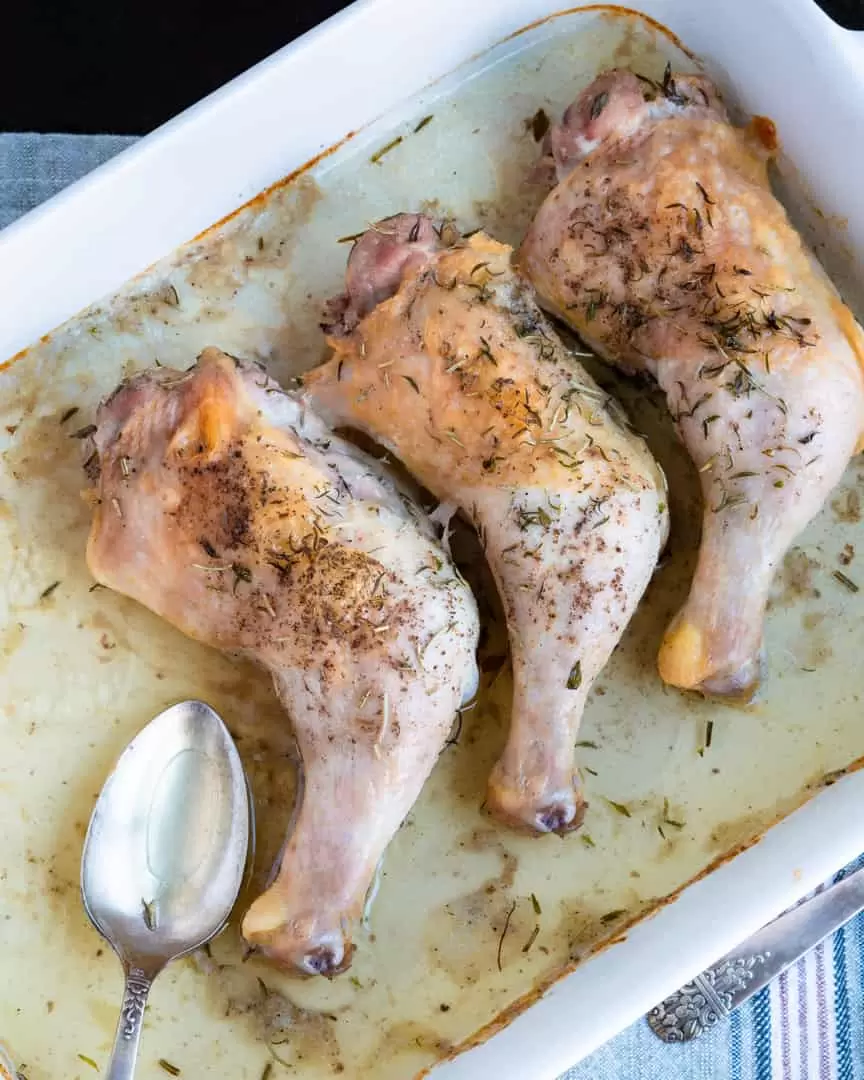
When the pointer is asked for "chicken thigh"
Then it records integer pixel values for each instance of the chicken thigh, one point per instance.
(665, 249)
(441, 354)
(227, 507)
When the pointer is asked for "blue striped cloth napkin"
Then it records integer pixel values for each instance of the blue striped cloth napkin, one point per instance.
(807, 1025)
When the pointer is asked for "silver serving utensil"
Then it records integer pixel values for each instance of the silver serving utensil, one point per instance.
(711, 996)
(165, 854)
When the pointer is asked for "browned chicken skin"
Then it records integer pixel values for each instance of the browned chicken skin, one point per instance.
(228, 508)
(664, 247)
(441, 354)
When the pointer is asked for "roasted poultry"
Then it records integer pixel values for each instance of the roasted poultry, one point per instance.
(663, 246)
(441, 354)
(226, 506)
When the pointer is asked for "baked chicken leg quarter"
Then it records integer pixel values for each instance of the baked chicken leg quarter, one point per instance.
(441, 354)
(664, 247)
(228, 508)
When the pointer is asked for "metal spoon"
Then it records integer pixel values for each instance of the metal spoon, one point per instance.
(165, 854)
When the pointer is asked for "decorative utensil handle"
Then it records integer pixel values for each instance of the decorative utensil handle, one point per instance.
(731, 981)
(125, 1052)
(710, 997)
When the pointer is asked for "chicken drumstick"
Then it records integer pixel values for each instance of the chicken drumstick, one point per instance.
(442, 355)
(227, 507)
(665, 249)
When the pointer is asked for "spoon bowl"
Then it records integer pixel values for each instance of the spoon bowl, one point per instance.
(165, 852)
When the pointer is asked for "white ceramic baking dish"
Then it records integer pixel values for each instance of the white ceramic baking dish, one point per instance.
(782, 58)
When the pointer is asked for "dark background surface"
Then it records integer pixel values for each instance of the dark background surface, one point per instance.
(115, 66)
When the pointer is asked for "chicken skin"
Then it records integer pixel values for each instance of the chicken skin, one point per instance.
(441, 354)
(664, 248)
(228, 508)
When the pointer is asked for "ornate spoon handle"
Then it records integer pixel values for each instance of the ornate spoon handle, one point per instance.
(125, 1052)
(711, 996)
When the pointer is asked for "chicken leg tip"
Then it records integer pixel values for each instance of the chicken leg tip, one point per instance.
(329, 956)
(685, 662)
(560, 815)
(326, 960)
(561, 818)
(738, 686)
